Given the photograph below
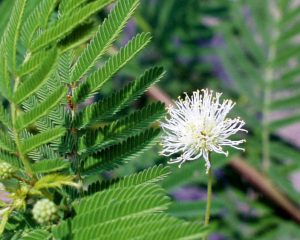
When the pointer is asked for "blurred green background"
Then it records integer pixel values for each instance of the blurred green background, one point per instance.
(249, 50)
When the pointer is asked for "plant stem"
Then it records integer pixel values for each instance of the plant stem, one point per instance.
(14, 113)
(208, 201)
(74, 156)
(269, 76)
(23, 180)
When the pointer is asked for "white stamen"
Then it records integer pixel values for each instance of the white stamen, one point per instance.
(198, 125)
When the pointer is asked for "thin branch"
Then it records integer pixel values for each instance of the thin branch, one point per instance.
(266, 187)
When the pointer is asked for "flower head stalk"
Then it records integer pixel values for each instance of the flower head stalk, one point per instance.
(198, 125)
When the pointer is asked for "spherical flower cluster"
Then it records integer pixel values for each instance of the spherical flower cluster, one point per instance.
(6, 171)
(44, 211)
(199, 125)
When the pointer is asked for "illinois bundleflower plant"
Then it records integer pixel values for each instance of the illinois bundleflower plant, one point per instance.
(198, 125)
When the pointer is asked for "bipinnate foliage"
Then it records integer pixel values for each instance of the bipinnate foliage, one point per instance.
(260, 55)
(56, 146)
(129, 208)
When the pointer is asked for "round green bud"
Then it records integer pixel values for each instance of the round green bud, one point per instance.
(44, 211)
(6, 171)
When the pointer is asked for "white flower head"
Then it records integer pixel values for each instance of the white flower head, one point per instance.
(199, 125)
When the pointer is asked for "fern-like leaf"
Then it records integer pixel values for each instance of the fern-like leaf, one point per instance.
(137, 121)
(32, 84)
(33, 62)
(41, 110)
(107, 197)
(66, 23)
(104, 109)
(64, 66)
(268, 72)
(6, 143)
(37, 18)
(98, 139)
(50, 165)
(42, 138)
(6, 7)
(125, 225)
(67, 6)
(151, 175)
(37, 234)
(96, 80)
(54, 181)
(106, 34)
(10, 37)
(122, 152)
(128, 210)
(11, 159)
(5, 82)
(4, 117)
(159, 227)
(132, 206)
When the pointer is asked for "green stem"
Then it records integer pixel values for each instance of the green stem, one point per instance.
(14, 113)
(74, 155)
(208, 201)
(23, 180)
(269, 76)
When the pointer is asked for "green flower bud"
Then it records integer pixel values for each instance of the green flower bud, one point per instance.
(44, 211)
(6, 171)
